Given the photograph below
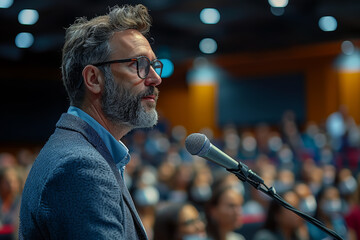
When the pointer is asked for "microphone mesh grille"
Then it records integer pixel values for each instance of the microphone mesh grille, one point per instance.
(194, 143)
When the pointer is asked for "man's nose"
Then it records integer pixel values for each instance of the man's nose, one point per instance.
(152, 79)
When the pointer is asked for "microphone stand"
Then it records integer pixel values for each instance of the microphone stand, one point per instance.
(246, 175)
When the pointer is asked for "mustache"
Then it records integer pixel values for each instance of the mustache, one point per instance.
(150, 91)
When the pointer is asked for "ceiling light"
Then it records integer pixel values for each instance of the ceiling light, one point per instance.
(28, 16)
(6, 3)
(278, 3)
(208, 46)
(328, 23)
(210, 16)
(24, 40)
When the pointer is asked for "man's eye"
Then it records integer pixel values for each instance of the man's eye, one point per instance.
(132, 64)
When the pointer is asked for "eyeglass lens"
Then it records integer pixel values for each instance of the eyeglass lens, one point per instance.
(144, 67)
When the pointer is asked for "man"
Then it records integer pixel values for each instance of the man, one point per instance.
(75, 189)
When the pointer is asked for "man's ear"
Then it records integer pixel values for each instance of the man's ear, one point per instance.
(93, 78)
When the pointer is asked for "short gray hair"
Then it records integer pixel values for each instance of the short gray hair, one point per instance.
(87, 42)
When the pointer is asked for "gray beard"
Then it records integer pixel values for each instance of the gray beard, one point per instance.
(123, 108)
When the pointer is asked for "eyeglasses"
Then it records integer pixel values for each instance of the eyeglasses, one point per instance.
(142, 65)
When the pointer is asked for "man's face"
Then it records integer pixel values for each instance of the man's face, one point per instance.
(128, 99)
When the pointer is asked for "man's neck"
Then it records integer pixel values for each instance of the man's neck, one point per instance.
(117, 130)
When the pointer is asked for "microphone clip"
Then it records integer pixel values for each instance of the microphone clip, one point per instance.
(247, 175)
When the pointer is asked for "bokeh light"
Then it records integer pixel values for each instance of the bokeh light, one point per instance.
(278, 3)
(6, 3)
(24, 40)
(210, 16)
(28, 16)
(208, 46)
(328, 23)
(168, 68)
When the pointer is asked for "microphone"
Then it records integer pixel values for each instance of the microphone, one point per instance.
(198, 144)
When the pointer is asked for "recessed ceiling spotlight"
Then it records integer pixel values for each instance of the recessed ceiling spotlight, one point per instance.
(6, 3)
(210, 16)
(208, 46)
(28, 16)
(24, 40)
(327, 23)
(278, 3)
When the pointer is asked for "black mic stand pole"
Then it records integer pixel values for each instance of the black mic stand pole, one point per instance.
(246, 175)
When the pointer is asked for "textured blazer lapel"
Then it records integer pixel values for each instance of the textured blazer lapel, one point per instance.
(73, 123)
(131, 205)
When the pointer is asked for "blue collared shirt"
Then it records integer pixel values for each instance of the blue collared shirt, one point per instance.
(117, 149)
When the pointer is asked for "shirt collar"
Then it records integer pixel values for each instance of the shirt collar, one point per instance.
(117, 149)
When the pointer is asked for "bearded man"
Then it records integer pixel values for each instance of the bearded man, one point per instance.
(75, 189)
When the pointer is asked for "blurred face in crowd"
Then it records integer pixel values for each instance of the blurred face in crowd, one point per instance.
(128, 98)
(9, 183)
(330, 204)
(190, 224)
(307, 202)
(227, 213)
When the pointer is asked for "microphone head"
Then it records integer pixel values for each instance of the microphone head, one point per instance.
(197, 144)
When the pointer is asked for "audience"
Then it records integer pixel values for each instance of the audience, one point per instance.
(314, 169)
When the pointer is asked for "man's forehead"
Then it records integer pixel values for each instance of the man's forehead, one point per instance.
(129, 42)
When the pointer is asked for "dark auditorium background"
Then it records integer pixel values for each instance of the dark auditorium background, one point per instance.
(268, 63)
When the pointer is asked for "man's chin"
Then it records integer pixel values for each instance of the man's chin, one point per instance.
(147, 119)
(149, 105)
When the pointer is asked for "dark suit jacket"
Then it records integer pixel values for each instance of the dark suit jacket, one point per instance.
(74, 190)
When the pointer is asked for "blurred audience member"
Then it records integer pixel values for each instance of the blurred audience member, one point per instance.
(26, 157)
(178, 221)
(200, 186)
(223, 213)
(347, 186)
(307, 203)
(179, 183)
(166, 170)
(338, 125)
(329, 212)
(146, 196)
(353, 216)
(312, 175)
(291, 133)
(249, 148)
(282, 223)
(285, 181)
(10, 190)
(7, 160)
(329, 174)
(231, 141)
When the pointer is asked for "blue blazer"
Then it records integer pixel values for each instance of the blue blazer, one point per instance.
(74, 190)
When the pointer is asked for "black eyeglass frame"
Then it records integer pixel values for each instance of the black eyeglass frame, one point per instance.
(151, 63)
